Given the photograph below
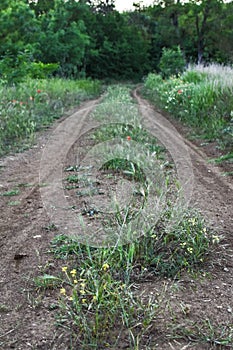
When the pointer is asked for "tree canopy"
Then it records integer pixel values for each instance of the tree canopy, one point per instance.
(91, 38)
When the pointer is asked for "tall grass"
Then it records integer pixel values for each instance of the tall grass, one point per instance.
(222, 75)
(28, 106)
(99, 303)
(202, 97)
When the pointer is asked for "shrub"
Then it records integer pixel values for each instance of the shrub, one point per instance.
(172, 62)
(39, 70)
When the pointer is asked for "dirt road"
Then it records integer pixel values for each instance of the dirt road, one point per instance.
(26, 321)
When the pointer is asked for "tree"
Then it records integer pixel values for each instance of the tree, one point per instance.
(41, 6)
(203, 29)
(63, 38)
(18, 34)
(220, 37)
(102, 6)
(18, 27)
(119, 51)
(199, 22)
(172, 62)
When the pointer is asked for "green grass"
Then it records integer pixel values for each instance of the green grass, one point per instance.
(164, 253)
(99, 308)
(226, 157)
(13, 203)
(216, 335)
(33, 104)
(130, 133)
(97, 298)
(201, 98)
(13, 192)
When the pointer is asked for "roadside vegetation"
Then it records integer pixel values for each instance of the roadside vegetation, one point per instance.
(202, 98)
(33, 104)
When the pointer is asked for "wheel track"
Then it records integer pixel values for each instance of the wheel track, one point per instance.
(211, 192)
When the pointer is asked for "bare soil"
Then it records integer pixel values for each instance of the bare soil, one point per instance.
(27, 315)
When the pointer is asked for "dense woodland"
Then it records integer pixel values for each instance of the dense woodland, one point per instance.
(88, 38)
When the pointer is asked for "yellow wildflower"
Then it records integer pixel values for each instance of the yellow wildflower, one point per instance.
(64, 268)
(84, 301)
(71, 298)
(190, 250)
(75, 282)
(82, 291)
(105, 267)
(192, 221)
(215, 239)
(63, 291)
(73, 272)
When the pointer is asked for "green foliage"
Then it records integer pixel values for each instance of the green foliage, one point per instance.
(63, 42)
(87, 38)
(226, 157)
(200, 98)
(172, 62)
(15, 68)
(192, 76)
(161, 251)
(35, 103)
(98, 308)
(13, 192)
(39, 70)
(97, 292)
(120, 51)
(41, 6)
(18, 27)
(128, 132)
(152, 81)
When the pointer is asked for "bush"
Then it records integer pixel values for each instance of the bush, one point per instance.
(39, 70)
(14, 68)
(17, 68)
(172, 62)
(192, 76)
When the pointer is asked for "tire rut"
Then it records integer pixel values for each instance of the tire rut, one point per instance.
(208, 190)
